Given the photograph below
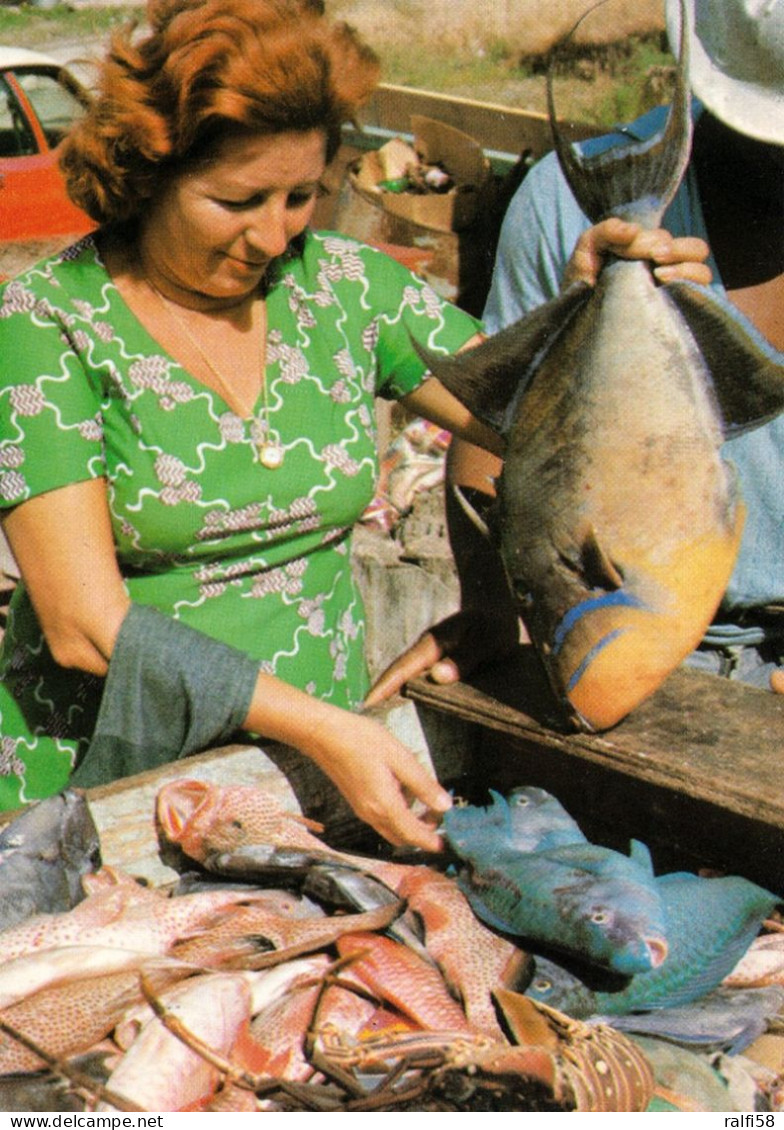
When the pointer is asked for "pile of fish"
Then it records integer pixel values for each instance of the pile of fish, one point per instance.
(281, 974)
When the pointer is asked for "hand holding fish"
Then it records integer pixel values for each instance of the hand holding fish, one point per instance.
(681, 259)
(487, 628)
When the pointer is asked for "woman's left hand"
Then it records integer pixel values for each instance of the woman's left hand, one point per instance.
(676, 259)
(777, 681)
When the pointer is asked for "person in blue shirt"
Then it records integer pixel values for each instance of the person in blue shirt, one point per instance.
(727, 211)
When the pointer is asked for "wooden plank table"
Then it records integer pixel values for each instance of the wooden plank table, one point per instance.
(696, 772)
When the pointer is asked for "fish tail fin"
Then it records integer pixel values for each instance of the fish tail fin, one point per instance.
(635, 181)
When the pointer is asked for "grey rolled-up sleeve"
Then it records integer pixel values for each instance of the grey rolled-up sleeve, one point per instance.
(170, 691)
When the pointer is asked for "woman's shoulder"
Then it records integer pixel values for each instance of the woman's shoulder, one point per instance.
(320, 248)
(74, 272)
(75, 259)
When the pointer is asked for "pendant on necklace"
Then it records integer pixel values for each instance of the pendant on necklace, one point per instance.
(270, 455)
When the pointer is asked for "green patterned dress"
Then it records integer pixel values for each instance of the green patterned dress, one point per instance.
(256, 558)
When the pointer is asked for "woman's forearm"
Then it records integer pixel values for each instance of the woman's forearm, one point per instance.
(371, 768)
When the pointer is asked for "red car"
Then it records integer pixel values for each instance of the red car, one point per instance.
(39, 101)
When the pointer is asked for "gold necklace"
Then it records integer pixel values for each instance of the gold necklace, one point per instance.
(269, 447)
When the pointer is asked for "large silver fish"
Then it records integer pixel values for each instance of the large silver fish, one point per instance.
(617, 520)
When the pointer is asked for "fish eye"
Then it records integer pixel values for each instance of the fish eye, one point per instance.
(600, 917)
(522, 801)
(523, 593)
(542, 985)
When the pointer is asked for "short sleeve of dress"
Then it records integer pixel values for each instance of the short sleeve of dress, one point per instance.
(50, 430)
(396, 307)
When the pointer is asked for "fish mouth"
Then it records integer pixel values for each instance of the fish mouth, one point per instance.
(178, 802)
(658, 950)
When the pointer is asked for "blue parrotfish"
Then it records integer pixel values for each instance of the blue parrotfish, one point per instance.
(710, 925)
(526, 819)
(583, 899)
(617, 519)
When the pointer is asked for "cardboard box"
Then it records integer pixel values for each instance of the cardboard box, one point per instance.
(435, 143)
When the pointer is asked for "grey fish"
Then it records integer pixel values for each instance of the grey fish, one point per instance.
(723, 1020)
(710, 925)
(44, 852)
(526, 819)
(39, 1091)
(614, 402)
(319, 876)
(685, 1079)
(584, 899)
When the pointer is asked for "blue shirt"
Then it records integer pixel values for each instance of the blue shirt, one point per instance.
(540, 229)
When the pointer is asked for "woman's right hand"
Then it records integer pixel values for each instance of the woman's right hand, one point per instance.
(379, 777)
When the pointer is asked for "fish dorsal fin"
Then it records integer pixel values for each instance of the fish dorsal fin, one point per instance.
(747, 371)
(640, 854)
(677, 877)
(638, 180)
(490, 377)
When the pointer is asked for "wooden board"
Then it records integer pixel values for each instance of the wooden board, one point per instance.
(696, 771)
(503, 131)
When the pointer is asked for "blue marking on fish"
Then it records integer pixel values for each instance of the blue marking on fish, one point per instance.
(604, 600)
(599, 646)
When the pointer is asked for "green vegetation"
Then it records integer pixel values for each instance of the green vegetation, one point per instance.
(40, 29)
(600, 86)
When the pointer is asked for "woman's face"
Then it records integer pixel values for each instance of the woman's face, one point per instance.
(214, 230)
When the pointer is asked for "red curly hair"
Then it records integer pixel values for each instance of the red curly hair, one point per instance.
(206, 69)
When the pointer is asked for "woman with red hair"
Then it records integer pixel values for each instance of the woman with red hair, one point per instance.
(187, 421)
